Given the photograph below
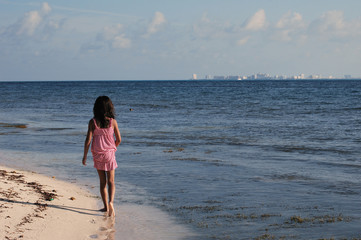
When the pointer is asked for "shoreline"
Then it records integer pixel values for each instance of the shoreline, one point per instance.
(34, 206)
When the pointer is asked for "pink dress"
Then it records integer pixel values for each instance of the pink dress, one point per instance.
(103, 148)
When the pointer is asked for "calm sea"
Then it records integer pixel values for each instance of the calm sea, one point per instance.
(223, 159)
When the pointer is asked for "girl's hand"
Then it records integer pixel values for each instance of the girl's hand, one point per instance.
(84, 161)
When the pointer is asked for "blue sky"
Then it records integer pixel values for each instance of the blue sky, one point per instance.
(169, 39)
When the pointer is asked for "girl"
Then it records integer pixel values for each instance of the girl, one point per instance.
(101, 131)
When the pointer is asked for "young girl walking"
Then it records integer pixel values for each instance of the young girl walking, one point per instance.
(101, 131)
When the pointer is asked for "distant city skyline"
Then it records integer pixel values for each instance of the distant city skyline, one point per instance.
(265, 76)
(161, 39)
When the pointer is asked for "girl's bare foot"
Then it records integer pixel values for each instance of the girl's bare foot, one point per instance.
(111, 210)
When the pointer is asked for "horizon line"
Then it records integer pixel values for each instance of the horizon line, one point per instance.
(186, 80)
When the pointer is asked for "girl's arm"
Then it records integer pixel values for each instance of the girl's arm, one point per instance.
(88, 140)
(118, 138)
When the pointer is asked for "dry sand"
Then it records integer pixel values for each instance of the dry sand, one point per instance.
(34, 206)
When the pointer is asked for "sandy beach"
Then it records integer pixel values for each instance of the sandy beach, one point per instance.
(34, 206)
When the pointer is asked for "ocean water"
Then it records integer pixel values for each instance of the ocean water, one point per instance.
(204, 159)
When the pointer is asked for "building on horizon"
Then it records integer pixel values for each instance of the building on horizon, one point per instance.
(219, 78)
(236, 77)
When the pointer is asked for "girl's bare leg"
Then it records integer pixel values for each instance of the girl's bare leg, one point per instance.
(103, 189)
(111, 190)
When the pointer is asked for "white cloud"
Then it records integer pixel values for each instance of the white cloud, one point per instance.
(110, 32)
(204, 28)
(210, 29)
(289, 27)
(121, 41)
(332, 21)
(205, 18)
(53, 24)
(34, 25)
(239, 35)
(156, 24)
(32, 20)
(243, 41)
(46, 9)
(256, 22)
(332, 24)
(290, 21)
(114, 37)
(29, 24)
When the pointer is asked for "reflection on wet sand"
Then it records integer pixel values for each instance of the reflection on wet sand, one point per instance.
(106, 232)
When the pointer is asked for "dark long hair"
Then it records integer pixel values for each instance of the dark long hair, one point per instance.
(103, 109)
